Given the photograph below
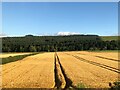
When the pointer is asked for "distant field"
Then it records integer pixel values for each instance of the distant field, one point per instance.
(108, 38)
(102, 51)
(5, 55)
(12, 57)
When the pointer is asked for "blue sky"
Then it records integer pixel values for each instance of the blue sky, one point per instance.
(49, 18)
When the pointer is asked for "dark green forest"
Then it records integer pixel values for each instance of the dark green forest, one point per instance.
(30, 43)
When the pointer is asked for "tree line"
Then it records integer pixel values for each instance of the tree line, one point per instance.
(30, 43)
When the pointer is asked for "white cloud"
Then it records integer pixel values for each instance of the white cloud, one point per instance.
(116, 34)
(3, 35)
(67, 33)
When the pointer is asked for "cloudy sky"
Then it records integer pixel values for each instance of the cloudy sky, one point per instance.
(63, 18)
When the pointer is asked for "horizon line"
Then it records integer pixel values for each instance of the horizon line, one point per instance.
(51, 35)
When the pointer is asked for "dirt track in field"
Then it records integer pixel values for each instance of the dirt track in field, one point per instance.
(61, 70)
(59, 76)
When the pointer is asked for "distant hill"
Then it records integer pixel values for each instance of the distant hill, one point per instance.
(109, 38)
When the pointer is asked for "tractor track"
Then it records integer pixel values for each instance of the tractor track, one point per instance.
(96, 64)
(108, 58)
(102, 57)
(61, 79)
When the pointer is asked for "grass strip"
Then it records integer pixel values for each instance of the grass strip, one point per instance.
(14, 58)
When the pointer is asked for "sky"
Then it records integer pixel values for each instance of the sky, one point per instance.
(59, 18)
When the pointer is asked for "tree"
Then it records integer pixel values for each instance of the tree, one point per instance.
(21, 49)
(32, 49)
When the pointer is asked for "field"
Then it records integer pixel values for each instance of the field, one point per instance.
(108, 38)
(62, 70)
(5, 55)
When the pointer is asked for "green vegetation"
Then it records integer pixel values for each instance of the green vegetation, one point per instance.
(80, 86)
(115, 85)
(14, 58)
(31, 43)
(109, 38)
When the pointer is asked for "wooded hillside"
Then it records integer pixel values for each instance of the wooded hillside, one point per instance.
(31, 43)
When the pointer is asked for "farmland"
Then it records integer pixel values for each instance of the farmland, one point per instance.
(108, 38)
(14, 57)
(62, 70)
(29, 72)
(5, 55)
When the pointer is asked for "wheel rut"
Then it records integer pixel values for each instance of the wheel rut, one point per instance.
(108, 58)
(61, 79)
(96, 64)
(105, 58)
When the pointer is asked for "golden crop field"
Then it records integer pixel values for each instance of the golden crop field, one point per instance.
(62, 70)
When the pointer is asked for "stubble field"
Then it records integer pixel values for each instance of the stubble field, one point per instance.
(62, 70)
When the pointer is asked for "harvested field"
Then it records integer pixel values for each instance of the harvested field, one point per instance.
(98, 60)
(83, 72)
(5, 55)
(106, 55)
(61, 70)
(34, 72)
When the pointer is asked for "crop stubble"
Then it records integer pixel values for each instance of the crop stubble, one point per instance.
(35, 71)
(59, 70)
(106, 62)
(86, 73)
